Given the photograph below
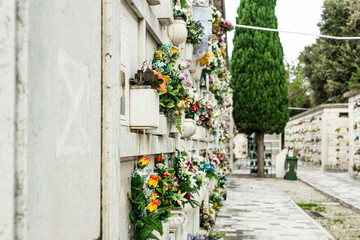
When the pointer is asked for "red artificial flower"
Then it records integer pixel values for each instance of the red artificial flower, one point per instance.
(202, 118)
(197, 104)
(209, 123)
(193, 108)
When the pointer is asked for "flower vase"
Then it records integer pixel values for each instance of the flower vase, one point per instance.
(177, 31)
(188, 128)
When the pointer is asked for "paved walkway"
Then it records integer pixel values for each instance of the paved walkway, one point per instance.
(258, 209)
(340, 186)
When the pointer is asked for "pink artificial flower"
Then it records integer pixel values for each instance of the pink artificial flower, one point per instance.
(184, 64)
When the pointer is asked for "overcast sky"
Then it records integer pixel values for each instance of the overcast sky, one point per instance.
(293, 15)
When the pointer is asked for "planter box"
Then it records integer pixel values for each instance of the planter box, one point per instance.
(189, 128)
(153, 2)
(163, 128)
(164, 12)
(144, 108)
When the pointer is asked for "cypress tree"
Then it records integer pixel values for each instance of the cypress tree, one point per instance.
(260, 94)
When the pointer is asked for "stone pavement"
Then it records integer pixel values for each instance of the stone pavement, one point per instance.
(258, 209)
(339, 186)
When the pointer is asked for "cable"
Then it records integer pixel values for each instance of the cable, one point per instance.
(291, 32)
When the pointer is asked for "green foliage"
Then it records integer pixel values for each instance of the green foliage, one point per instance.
(354, 82)
(330, 64)
(195, 32)
(145, 222)
(298, 87)
(260, 99)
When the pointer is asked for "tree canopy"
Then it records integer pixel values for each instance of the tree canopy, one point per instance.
(331, 65)
(260, 94)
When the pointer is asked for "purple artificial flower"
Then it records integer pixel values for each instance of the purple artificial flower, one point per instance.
(190, 164)
(188, 196)
(176, 180)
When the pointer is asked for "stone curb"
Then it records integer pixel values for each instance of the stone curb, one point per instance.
(305, 214)
(333, 197)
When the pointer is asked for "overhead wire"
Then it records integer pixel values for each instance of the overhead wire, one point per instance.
(299, 33)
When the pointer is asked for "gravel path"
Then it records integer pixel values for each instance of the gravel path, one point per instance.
(341, 222)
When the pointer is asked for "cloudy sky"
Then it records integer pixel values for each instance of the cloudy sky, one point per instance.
(293, 15)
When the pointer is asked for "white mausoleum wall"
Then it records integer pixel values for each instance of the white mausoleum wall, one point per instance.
(354, 134)
(322, 134)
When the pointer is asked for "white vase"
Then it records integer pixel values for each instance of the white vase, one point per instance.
(197, 135)
(188, 128)
(177, 32)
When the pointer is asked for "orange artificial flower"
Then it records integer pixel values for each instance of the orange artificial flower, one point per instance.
(162, 87)
(152, 205)
(165, 175)
(143, 162)
(153, 181)
(159, 159)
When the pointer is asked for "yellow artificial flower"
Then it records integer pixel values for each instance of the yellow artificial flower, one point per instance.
(167, 78)
(181, 104)
(174, 50)
(159, 55)
(207, 58)
(152, 205)
(153, 181)
(177, 112)
(143, 162)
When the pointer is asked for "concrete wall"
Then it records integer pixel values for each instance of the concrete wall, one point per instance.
(53, 113)
(66, 149)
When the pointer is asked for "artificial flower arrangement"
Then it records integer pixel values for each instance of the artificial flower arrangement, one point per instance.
(207, 219)
(192, 109)
(174, 101)
(187, 179)
(217, 235)
(154, 194)
(216, 198)
(182, 9)
(195, 32)
(150, 195)
(204, 114)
